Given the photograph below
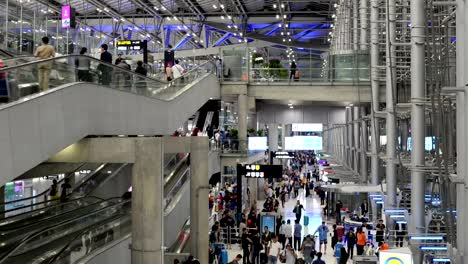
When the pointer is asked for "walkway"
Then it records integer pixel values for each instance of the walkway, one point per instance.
(313, 210)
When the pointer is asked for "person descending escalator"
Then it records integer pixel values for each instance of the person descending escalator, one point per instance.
(53, 193)
(45, 51)
(65, 190)
(106, 70)
(82, 65)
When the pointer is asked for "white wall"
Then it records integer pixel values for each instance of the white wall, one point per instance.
(282, 114)
(41, 125)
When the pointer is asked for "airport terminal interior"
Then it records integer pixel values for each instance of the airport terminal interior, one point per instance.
(233, 131)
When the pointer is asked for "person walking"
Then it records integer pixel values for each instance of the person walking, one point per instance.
(246, 242)
(364, 207)
(297, 235)
(361, 241)
(106, 70)
(319, 259)
(45, 51)
(290, 255)
(321, 194)
(351, 241)
(288, 233)
(344, 256)
(380, 228)
(308, 248)
(298, 210)
(322, 230)
(274, 251)
(140, 81)
(256, 248)
(400, 229)
(82, 66)
(338, 207)
(282, 234)
(334, 237)
(293, 70)
(177, 70)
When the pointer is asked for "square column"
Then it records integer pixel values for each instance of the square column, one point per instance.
(147, 202)
(199, 189)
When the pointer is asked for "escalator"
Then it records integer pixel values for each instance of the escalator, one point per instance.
(131, 104)
(80, 236)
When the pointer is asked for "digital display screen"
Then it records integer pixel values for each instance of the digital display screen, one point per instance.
(307, 127)
(260, 170)
(268, 220)
(66, 16)
(258, 143)
(429, 143)
(303, 143)
(126, 44)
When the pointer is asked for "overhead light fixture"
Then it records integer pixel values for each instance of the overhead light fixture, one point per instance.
(157, 8)
(282, 5)
(229, 17)
(332, 26)
(240, 40)
(222, 17)
(333, 16)
(287, 25)
(163, 8)
(274, 6)
(288, 33)
(291, 107)
(289, 40)
(282, 33)
(284, 40)
(240, 34)
(246, 40)
(222, 6)
(279, 25)
(214, 6)
(229, 26)
(285, 16)
(235, 26)
(277, 16)
(289, 104)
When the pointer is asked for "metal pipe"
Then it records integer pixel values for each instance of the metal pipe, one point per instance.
(463, 82)
(462, 244)
(390, 111)
(6, 24)
(357, 137)
(374, 62)
(355, 25)
(364, 141)
(418, 75)
(364, 24)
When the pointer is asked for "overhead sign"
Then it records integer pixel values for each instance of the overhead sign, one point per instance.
(68, 17)
(126, 44)
(260, 171)
(303, 143)
(400, 256)
(283, 154)
(307, 127)
(258, 143)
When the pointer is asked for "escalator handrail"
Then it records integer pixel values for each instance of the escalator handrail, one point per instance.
(9, 68)
(24, 240)
(97, 251)
(169, 207)
(98, 200)
(175, 170)
(81, 234)
(77, 187)
(42, 193)
(116, 172)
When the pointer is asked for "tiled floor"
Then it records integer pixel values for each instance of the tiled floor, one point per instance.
(313, 210)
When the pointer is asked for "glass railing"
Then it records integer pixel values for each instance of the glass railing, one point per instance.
(26, 218)
(11, 237)
(307, 75)
(227, 146)
(42, 75)
(40, 200)
(47, 242)
(95, 237)
(91, 183)
(173, 193)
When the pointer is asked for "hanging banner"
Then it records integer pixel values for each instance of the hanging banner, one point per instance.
(68, 17)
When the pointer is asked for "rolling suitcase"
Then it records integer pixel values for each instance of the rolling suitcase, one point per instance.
(263, 258)
(306, 220)
(223, 259)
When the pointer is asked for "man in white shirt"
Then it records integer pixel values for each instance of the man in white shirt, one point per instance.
(288, 232)
(274, 251)
(177, 70)
(282, 235)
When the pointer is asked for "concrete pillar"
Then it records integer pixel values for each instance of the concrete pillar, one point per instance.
(243, 110)
(364, 27)
(273, 137)
(364, 143)
(199, 189)
(147, 202)
(349, 128)
(356, 137)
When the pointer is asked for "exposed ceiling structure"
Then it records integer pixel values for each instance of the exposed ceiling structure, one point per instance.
(296, 23)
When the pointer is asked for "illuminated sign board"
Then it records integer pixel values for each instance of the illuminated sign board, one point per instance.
(126, 44)
(283, 154)
(307, 127)
(260, 171)
(303, 143)
(68, 17)
(258, 143)
(395, 257)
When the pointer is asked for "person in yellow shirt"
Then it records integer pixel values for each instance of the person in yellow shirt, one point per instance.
(45, 51)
